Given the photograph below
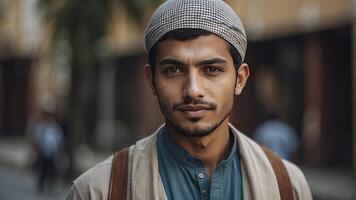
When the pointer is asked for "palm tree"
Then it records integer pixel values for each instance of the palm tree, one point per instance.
(82, 23)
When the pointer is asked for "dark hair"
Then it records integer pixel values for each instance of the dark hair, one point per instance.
(187, 34)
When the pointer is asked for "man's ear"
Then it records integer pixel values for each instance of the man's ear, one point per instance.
(149, 76)
(242, 75)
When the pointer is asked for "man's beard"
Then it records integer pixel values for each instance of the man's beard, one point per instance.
(186, 131)
(195, 133)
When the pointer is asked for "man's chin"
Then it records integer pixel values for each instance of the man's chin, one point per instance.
(199, 128)
(194, 131)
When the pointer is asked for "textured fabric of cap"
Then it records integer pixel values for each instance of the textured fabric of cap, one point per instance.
(214, 16)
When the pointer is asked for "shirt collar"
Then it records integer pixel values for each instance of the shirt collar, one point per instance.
(181, 155)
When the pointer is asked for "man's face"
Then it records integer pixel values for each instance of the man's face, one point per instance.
(195, 82)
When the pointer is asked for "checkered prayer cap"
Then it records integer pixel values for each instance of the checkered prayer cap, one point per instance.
(214, 16)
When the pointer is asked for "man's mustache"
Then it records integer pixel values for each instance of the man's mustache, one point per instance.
(195, 102)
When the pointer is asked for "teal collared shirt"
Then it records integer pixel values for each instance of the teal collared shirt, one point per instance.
(184, 177)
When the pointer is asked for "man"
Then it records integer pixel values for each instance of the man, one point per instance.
(195, 50)
(277, 135)
(46, 136)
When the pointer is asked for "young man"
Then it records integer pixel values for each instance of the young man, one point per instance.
(195, 50)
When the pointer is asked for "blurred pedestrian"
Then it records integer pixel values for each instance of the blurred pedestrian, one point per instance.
(46, 135)
(277, 135)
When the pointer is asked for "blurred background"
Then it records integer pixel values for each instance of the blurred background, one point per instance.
(72, 88)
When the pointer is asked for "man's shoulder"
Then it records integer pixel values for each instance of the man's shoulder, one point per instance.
(252, 153)
(93, 183)
(299, 183)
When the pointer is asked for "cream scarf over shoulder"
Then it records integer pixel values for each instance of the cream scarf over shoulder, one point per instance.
(259, 181)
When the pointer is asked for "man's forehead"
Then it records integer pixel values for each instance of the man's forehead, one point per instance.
(214, 16)
(211, 41)
(194, 50)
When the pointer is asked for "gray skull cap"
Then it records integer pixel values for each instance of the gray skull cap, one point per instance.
(214, 16)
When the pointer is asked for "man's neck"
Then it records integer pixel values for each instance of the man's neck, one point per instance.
(210, 149)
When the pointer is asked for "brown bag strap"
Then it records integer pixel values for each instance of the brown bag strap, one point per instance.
(280, 170)
(118, 178)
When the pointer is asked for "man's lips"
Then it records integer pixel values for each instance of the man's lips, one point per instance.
(194, 111)
(193, 107)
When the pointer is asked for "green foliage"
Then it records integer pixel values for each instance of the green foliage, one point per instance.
(83, 22)
(135, 8)
(90, 14)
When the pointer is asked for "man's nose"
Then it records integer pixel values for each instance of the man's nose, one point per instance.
(193, 86)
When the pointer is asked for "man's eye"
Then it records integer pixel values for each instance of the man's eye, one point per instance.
(173, 70)
(211, 69)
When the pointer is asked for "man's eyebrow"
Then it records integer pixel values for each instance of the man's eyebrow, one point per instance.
(211, 61)
(171, 61)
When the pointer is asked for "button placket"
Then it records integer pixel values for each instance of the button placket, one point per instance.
(203, 184)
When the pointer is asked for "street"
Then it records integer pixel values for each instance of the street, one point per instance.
(17, 184)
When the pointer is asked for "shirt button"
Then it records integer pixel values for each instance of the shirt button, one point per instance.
(204, 192)
(201, 176)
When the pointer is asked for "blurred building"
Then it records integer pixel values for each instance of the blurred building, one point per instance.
(18, 42)
(28, 76)
(305, 46)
